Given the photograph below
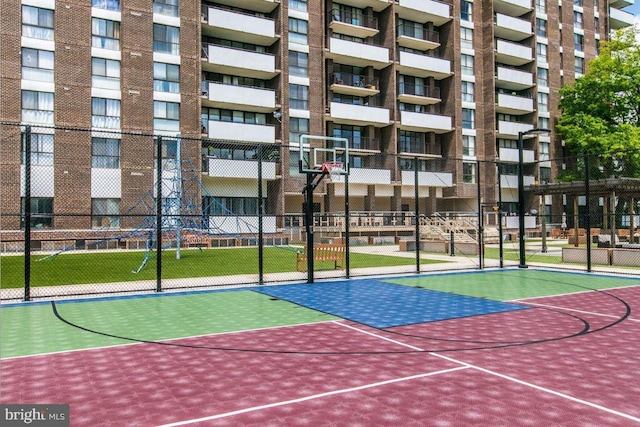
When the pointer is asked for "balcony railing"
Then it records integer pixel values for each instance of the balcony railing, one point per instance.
(418, 90)
(356, 19)
(418, 33)
(354, 80)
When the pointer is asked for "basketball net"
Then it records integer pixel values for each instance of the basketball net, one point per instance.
(334, 169)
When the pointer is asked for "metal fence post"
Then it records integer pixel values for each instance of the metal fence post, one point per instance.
(417, 211)
(260, 216)
(27, 212)
(159, 213)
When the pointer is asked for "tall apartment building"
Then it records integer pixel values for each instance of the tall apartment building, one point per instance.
(444, 85)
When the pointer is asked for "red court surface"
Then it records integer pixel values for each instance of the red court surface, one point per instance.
(571, 361)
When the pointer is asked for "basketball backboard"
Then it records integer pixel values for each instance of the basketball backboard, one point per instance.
(317, 149)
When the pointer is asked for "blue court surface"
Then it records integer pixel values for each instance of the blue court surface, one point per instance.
(384, 305)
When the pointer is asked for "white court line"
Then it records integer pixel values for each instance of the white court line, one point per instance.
(380, 336)
(315, 396)
(580, 311)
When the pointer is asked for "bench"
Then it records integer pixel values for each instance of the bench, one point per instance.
(322, 252)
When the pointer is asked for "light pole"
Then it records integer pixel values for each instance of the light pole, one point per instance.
(521, 135)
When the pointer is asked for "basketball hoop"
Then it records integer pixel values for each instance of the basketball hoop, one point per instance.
(334, 169)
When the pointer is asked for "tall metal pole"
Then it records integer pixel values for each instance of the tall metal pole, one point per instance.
(500, 242)
(347, 228)
(308, 216)
(587, 219)
(26, 141)
(159, 214)
(480, 220)
(260, 217)
(523, 261)
(417, 213)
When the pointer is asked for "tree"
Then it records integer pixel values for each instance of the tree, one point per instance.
(601, 110)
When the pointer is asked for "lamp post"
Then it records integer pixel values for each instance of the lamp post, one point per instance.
(521, 135)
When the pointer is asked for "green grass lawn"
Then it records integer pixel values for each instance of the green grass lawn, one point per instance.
(514, 255)
(105, 267)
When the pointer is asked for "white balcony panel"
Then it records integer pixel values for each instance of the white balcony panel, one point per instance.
(428, 179)
(240, 97)
(42, 180)
(424, 11)
(264, 6)
(416, 43)
(512, 104)
(359, 114)
(106, 183)
(510, 28)
(367, 176)
(510, 129)
(224, 168)
(513, 53)
(424, 66)
(512, 7)
(512, 222)
(358, 54)
(240, 62)
(422, 122)
(376, 5)
(617, 3)
(232, 25)
(511, 155)
(241, 132)
(238, 224)
(353, 30)
(512, 79)
(619, 18)
(511, 181)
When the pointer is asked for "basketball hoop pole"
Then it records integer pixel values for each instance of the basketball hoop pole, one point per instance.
(308, 215)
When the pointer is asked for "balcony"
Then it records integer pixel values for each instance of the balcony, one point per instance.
(418, 94)
(355, 25)
(428, 179)
(425, 122)
(359, 115)
(376, 5)
(367, 176)
(510, 155)
(424, 66)
(354, 84)
(239, 62)
(511, 181)
(619, 4)
(358, 54)
(513, 104)
(424, 11)
(619, 18)
(230, 131)
(511, 129)
(239, 97)
(226, 168)
(510, 28)
(238, 26)
(512, 7)
(513, 79)
(513, 53)
(417, 38)
(264, 6)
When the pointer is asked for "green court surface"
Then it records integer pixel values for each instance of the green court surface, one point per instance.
(508, 285)
(34, 329)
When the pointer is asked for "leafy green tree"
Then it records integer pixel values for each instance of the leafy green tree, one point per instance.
(601, 110)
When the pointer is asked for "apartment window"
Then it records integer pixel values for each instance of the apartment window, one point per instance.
(468, 173)
(166, 39)
(37, 23)
(543, 122)
(577, 3)
(410, 85)
(106, 4)
(543, 102)
(577, 20)
(166, 77)
(578, 42)
(300, 5)
(544, 150)
(37, 107)
(596, 24)
(166, 116)
(466, 10)
(298, 63)
(166, 7)
(468, 118)
(541, 52)
(297, 127)
(541, 6)
(466, 37)
(105, 73)
(545, 178)
(468, 89)
(104, 213)
(41, 150)
(231, 205)
(220, 115)
(298, 97)
(468, 145)
(467, 64)
(37, 65)
(298, 31)
(354, 134)
(105, 34)
(543, 77)
(105, 113)
(541, 27)
(579, 65)
(105, 153)
(41, 212)
(411, 142)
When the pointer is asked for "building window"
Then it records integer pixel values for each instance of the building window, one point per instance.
(105, 34)
(166, 116)
(596, 24)
(544, 151)
(166, 7)
(466, 37)
(468, 173)
(105, 113)
(230, 205)
(37, 65)
(105, 153)
(577, 20)
(104, 213)
(467, 64)
(166, 39)
(298, 31)
(220, 115)
(541, 27)
(543, 102)
(298, 97)
(105, 73)
(468, 145)
(41, 150)
(37, 23)
(466, 10)
(298, 63)
(468, 89)
(468, 118)
(543, 122)
(41, 212)
(300, 5)
(577, 3)
(37, 107)
(541, 52)
(543, 77)
(354, 134)
(106, 4)
(541, 6)
(297, 127)
(578, 42)
(166, 77)
(579, 65)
